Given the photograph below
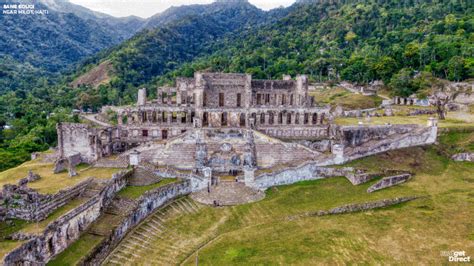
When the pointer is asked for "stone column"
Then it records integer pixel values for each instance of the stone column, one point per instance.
(178, 117)
(134, 158)
(170, 117)
(249, 176)
(178, 98)
(141, 97)
(119, 119)
(159, 96)
(338, 151)
(432, 122)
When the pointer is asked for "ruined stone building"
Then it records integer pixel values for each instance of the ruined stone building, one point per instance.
(216, 100)
(229, 122)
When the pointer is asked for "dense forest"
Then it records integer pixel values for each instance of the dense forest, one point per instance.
(359, 41)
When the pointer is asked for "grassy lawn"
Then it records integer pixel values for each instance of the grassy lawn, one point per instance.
(51, 183)
(452, 121)
(403, 234)
(134, 192)
(260, 233)
(74, 253)
(348, 100)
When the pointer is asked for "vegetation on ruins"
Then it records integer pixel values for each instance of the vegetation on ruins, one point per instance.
(398, 42)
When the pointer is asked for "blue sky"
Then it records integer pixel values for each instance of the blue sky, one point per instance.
(147, 8)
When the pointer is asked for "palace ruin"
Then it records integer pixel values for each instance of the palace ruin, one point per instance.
(261, 133)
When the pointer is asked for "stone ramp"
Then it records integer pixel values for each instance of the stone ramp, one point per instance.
(152, 242)
(112, 162)
(228, 193)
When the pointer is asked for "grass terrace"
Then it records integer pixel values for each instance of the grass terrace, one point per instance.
(74, 253)
(348, 100)
(453, 120)
(51, 183)
(134, 192)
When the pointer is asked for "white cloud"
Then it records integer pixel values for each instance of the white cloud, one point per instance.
(147, 8)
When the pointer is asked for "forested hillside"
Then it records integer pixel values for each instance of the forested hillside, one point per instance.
(358, 41)
(44, 45)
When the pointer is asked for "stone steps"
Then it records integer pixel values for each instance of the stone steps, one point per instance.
(152, 236)
(121, 206)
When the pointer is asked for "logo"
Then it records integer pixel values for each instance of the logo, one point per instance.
(456, 256)
(21, 9)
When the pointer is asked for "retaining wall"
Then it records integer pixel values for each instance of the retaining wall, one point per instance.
(307, 171)
(147, 203)
(62, 232)
(27, 204)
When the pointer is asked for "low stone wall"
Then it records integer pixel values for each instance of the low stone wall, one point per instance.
(62, 232)
(147, 203)
(358, 207)
(307, 171)
(27, 204)
(388, 182)
(358, 178)
(464, 157)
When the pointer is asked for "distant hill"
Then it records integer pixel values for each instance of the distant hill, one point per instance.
(177, 36)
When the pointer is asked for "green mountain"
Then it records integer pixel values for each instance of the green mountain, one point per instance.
(42, 45)
(359, 41)
(192, 33)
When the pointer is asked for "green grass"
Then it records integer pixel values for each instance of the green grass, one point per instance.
(74, 253)
(9, 227)
(452, 121)
(348, 100)
(261, 234)
(50, 183)
(134, 192)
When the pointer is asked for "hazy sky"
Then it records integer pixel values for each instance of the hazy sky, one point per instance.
(147, 8)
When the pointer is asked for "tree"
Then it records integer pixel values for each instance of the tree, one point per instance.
(402, 83)
(456, 68)
(441, 96)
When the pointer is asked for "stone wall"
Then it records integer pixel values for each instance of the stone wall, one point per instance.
(74, 139)
(365, 141)
(62, 232)
(272, 152)
(388, 182)
(307, 171)
(357, 207)
(463, 157)
(147, 203)
(27, 204)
